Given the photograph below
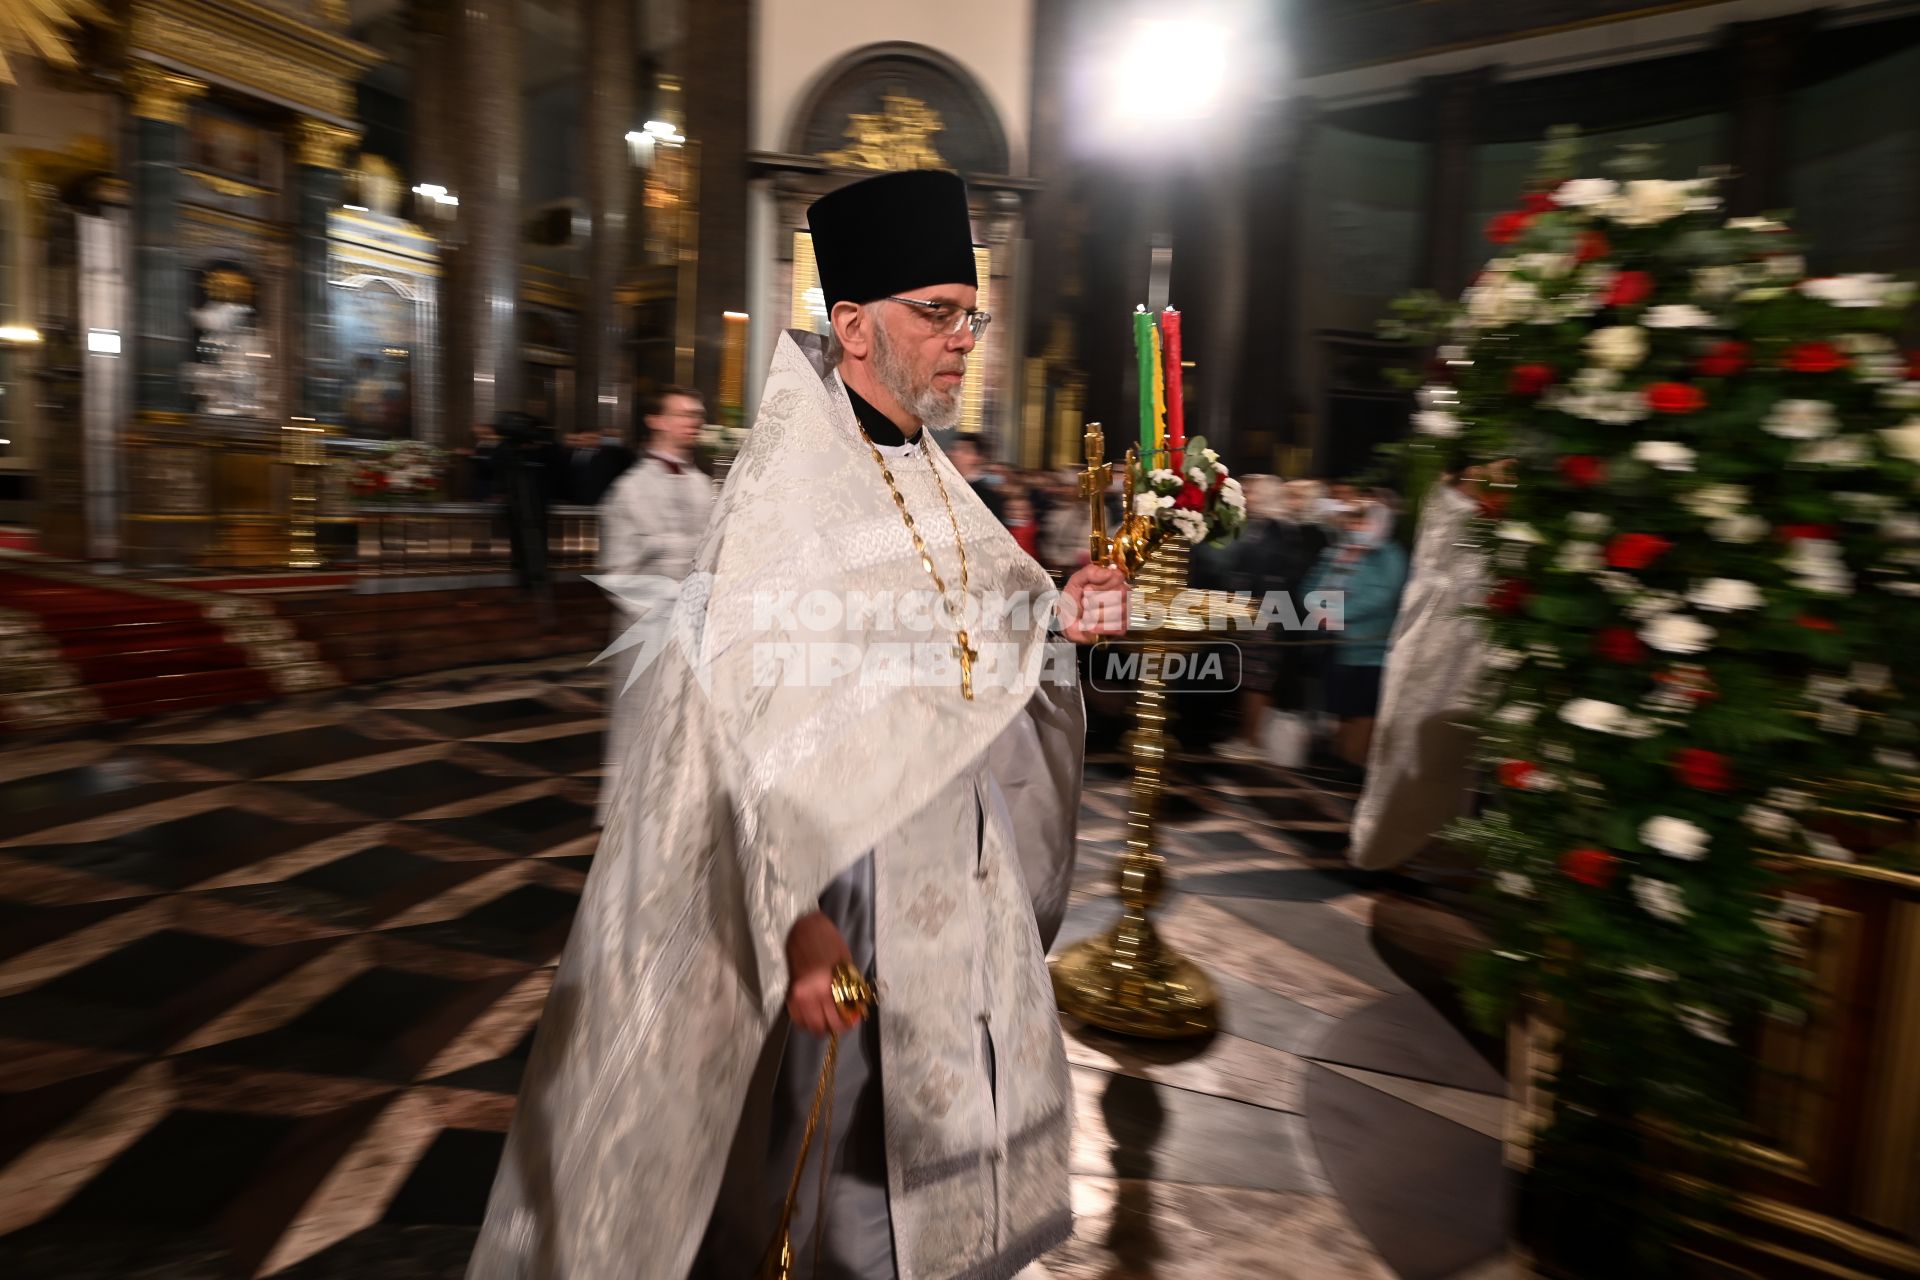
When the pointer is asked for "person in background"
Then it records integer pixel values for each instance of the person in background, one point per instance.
(651, 523)
(1065, 531)
(1021, 523)
(479, 463)
(1368, 567)
(1278, 549)
(969, 457)
(587, 467)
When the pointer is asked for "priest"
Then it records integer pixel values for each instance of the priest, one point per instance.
(884, 773)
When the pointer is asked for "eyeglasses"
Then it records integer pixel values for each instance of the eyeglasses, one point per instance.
(947, 319)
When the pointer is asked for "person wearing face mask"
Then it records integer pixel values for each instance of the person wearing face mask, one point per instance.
(1368, 568)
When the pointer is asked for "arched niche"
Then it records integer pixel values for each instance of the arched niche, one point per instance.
(886, 103)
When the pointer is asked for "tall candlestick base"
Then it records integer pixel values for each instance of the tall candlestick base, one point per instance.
(1129, 979)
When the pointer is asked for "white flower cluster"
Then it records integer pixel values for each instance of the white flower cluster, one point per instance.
(1860, 289)
(1818, 566)
(1800, 420)
(1642, 202)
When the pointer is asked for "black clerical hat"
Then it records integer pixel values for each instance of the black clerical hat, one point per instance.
(893, 233)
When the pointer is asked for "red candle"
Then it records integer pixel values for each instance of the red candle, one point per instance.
(1176, 410)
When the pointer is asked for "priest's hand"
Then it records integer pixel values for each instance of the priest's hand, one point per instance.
(1093, 604)
(814, 947)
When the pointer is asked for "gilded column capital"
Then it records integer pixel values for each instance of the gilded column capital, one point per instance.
(321, 143)
(160, 94)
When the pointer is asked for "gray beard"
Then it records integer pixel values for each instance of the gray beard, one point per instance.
(933, 407)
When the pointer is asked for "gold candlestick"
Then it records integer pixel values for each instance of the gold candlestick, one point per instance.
(1128, 979)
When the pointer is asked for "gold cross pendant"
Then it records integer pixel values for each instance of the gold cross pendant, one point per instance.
(966, 654)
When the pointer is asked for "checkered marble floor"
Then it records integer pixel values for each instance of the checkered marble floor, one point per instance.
(268, 982)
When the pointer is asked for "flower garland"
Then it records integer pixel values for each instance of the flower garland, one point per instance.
(1705, 586)
(1201, 503)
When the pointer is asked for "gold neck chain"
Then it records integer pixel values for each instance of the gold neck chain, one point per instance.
(962, 648)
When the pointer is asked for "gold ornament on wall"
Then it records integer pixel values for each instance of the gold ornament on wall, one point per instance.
(898, 136)
(159, 94)
(39, 28)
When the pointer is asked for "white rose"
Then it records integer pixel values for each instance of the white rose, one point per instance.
(1651, 604)
(1513, 884)
(1901, 395)
(1549, 265)
(1725, 595)
(1437, 422)
(1146, 504)
(1675, 837)
(1161, 475)
(1517, 713)
(1717, 501)
(1232, 494)
(1891, 758)
(1704, 1023)
(1594, 715)
(1665, 454)
(1648, 201)
(1800, 420)
(1589, 524)
(1619, 346)
(1842, 451)
(1517, 531)
(1826, 847)
(1769, 822)
(1739, 529)
(1579, 557)
(1716, 283)
(1901, 526)
(1678, 633)
(1584, 193)
(1818, 566)
(1755, 224)
(1683, 315)
(1903, 441)
(1860, 289)
(1661, 898)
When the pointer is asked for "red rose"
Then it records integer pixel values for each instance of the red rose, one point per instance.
(1812, 623)
(1701, 769)
(1593, 868)
(1529, 379)
(1510, 596)
(1538, 202)
(1913, 366)
(1619, 644)
(1811, 532)
(1814, 357)
(1592, 245)
(1506, 228)
(1675, 397)
(1583, 470)
(1630, 288)
(1636, 550)
(1219, 481)
(1190, 498)
(1517, 773)
(1723, 360)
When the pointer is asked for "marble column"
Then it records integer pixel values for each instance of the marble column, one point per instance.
(162, 331)
(1764, 56)
(718, 62)
(1273, 401)
(603, 386)
(486, 291)
(319, 153)
(1451, 104)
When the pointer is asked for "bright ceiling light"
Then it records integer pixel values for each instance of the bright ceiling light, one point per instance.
(1171, 71)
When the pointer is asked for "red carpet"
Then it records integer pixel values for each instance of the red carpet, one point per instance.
(141, 649)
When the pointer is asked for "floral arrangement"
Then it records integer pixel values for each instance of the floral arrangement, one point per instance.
(1201, 501)
(400, 470)
(1704, 602)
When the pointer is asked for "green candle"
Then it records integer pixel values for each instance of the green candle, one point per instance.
(1143, 350)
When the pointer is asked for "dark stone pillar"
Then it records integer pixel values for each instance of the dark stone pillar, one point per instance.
(719, 62)
(602, 387)
(319, 151)
(1272, 399)
(486, 291)
(162, 330)
(1764, 56)
(1452, 105)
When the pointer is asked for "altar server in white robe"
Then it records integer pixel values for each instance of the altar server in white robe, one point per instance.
(651, 523)
(888, 782)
